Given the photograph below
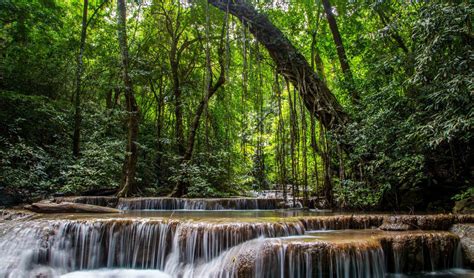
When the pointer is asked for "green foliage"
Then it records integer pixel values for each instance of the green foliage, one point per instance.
(207, 176)
(31, 150)
(25, 171)
(97, 168)
(469, 193)
(408, 144)
(35, 49)
(406, 132)
(35, 154)
(443, 77)
(357, 195)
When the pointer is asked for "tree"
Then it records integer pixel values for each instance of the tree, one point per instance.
(341, 52)
(77, 100)
(130, 163)
(76, 139)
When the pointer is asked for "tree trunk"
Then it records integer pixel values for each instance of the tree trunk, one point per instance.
(281, 141)
(76, 139)
(292, 120)
(315, 150)
(304, 132)
(129, 166)
(290, 63)
(197, 116)
(341, 52)
(326, 159)
(159, 98)
(178, 105)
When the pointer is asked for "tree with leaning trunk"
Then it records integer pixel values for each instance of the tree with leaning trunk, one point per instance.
(290, 63)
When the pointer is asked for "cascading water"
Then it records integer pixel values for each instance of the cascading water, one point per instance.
(168, 203)
(222, 247)
(149, 244)
(163, 203)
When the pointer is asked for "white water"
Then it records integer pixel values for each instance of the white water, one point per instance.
(141, 247)
(117, 273)
(164, 203)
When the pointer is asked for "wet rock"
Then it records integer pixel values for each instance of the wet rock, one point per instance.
(395, 227)
(386, 222)
(234, 247)
(105, 201)
(124, 243)
(369, 256)
(466, 234)
(65, 207)
(423, 222)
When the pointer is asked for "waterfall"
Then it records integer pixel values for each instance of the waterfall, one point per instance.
(164, 203)
(148, 244)
(340, 222)
(197, 248)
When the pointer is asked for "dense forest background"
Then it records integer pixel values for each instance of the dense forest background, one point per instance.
(168, 97)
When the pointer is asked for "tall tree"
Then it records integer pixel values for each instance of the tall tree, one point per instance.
(176, 25)
(131, 157)
(79, 69)
(341, 52)
(76, 139)
(211, 88)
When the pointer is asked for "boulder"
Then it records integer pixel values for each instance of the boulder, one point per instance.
(466, 234)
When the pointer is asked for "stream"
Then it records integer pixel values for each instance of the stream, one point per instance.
(229, 239)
